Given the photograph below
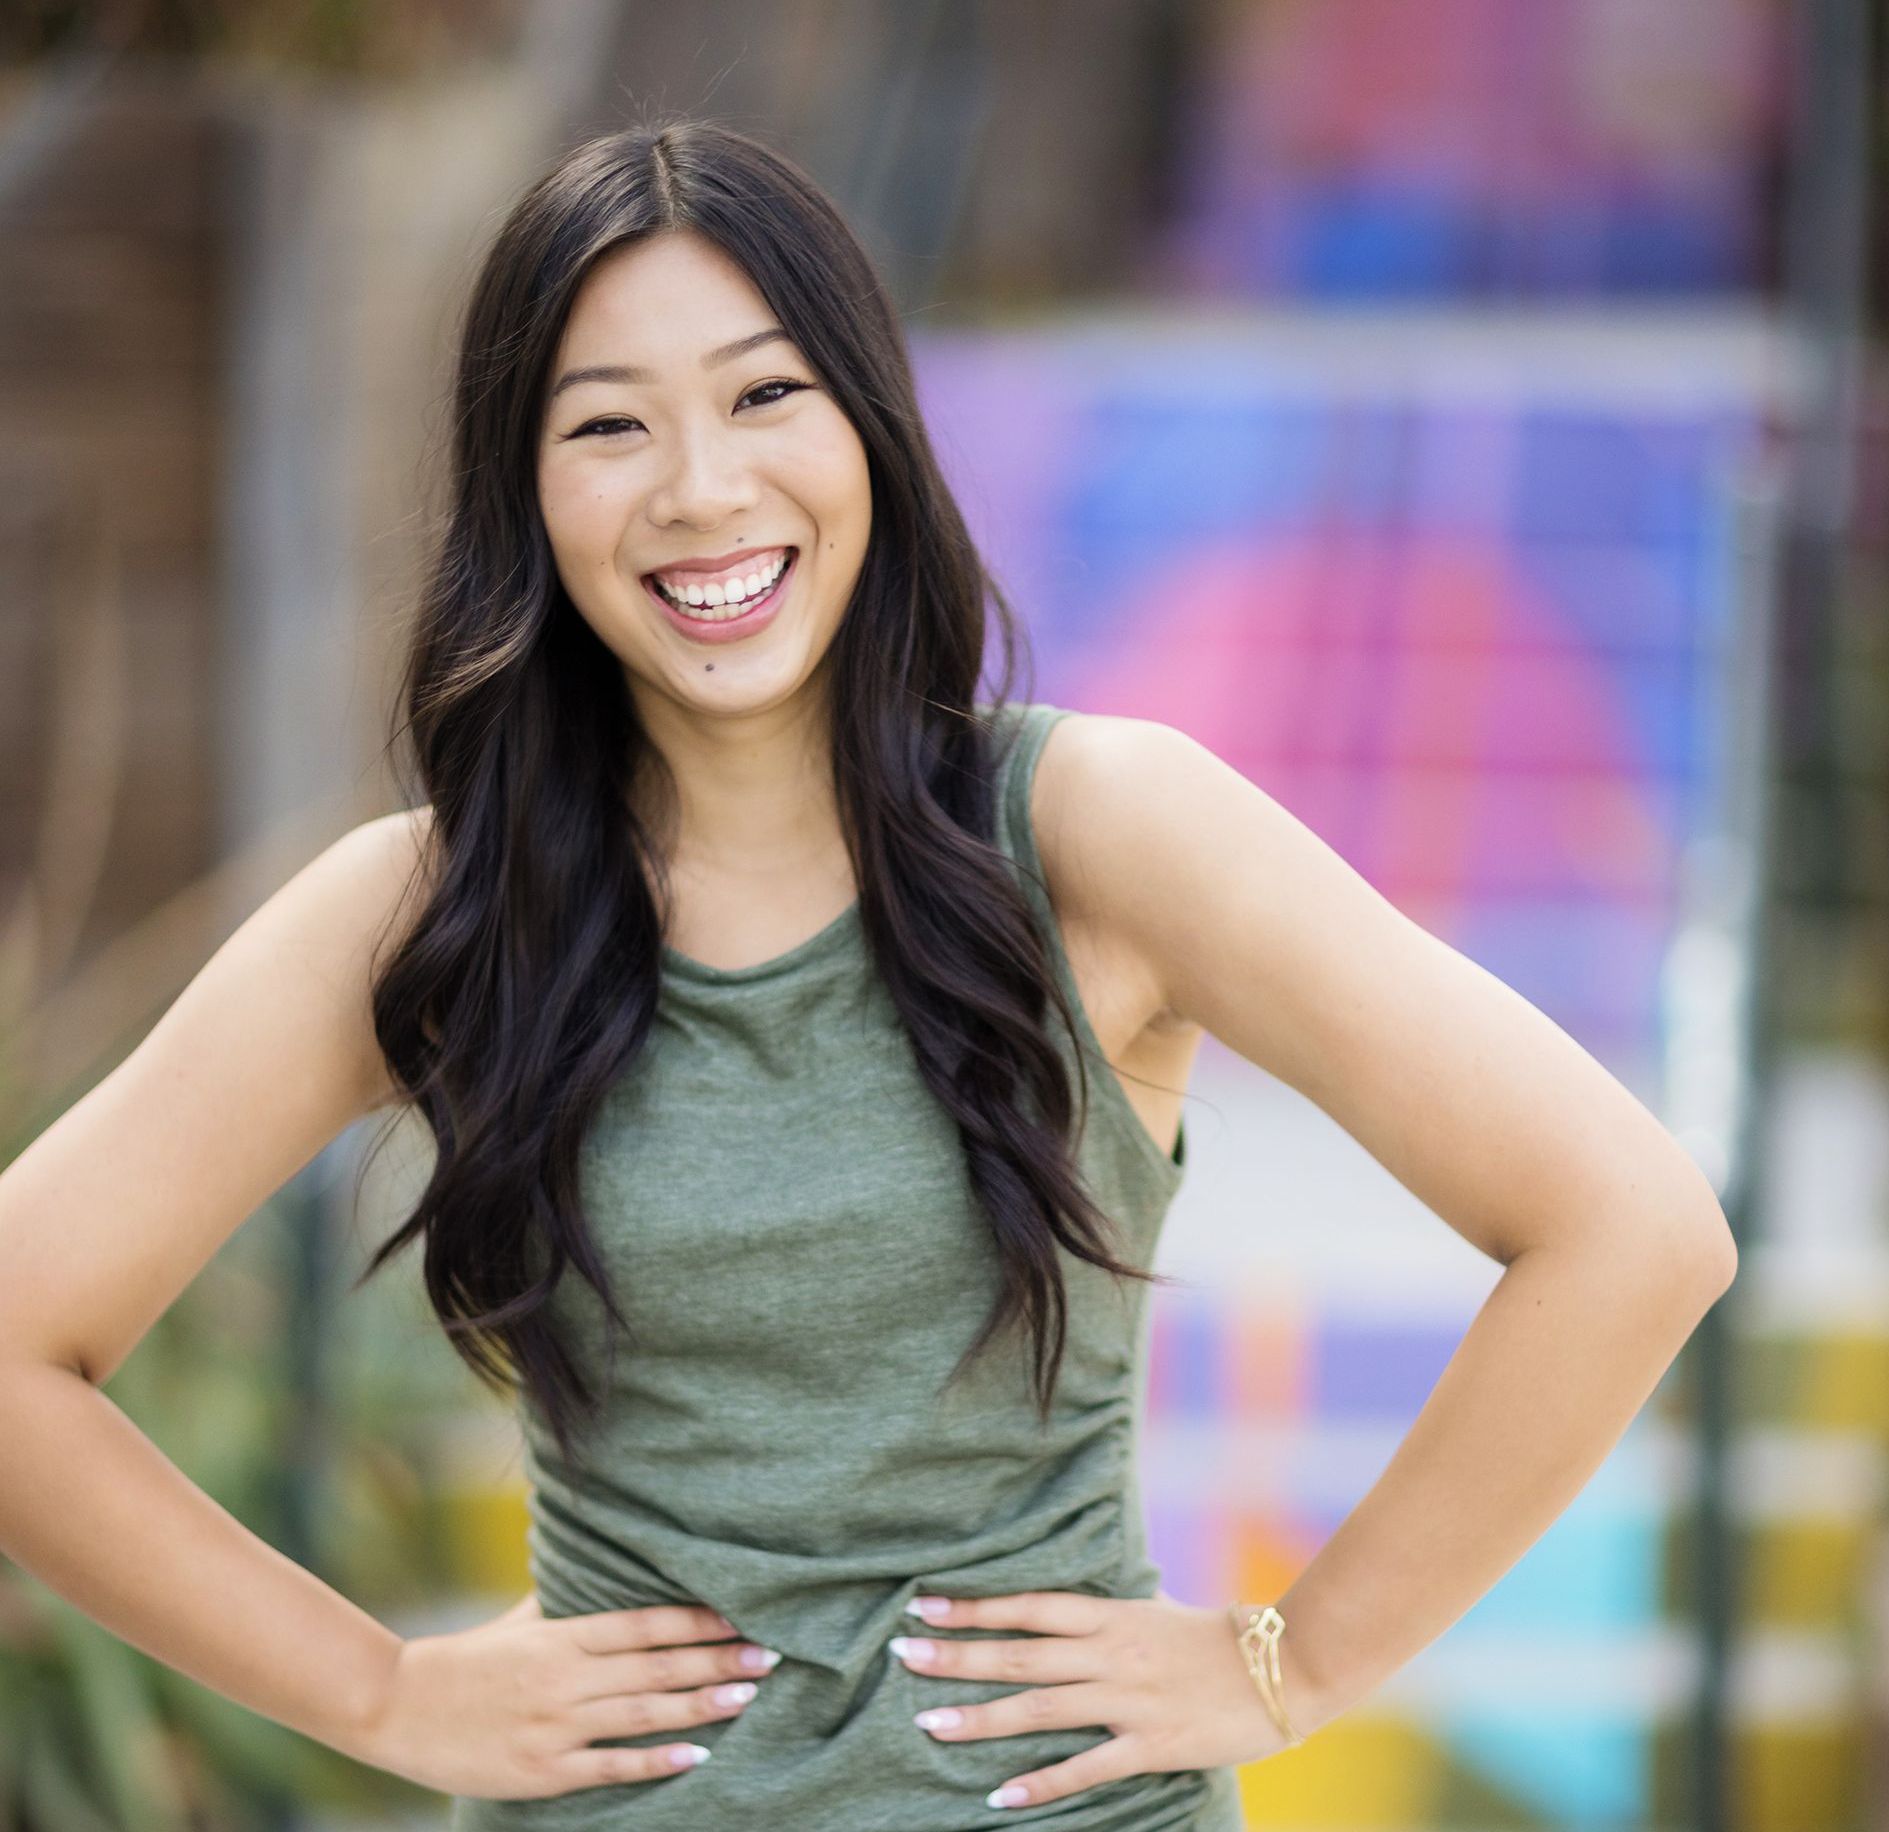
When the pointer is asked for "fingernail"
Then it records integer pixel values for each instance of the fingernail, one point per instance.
(933, 1609)
(760, 1660)
(940, 1717)
(737, 1694)
(1009, 1795)
(909, 1647)
(688, 1755)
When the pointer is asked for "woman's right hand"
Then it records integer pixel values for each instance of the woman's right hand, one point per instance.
(507, 1710)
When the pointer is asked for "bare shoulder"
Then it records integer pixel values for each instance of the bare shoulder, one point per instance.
(1192, 873)
(365, 892)
(1246, 922)
(1106, 786)
(384, 867)
(394, 846)
(1102, 782)
(300, 968)
(267, 1054)
(303, 963)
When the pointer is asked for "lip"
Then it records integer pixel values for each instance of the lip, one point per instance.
(731, 629)
(707, 569)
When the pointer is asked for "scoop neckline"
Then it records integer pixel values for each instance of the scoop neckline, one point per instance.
(686, 966)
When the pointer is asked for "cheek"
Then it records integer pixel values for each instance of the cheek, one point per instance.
(582, 514)
(832, 469)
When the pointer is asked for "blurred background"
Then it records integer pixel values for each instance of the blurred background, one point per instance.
(1467, 417)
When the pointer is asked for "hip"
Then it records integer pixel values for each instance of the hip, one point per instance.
(874, 1770)
(826, 1791)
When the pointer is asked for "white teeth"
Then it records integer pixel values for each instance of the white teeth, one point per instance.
(731, 596)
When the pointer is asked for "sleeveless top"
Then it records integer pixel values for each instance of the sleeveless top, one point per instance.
(784, 1209)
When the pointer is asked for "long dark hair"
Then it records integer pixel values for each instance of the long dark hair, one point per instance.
(527, 983)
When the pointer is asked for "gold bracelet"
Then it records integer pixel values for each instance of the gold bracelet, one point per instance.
(1258, 1638)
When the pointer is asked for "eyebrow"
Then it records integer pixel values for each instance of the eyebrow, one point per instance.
(629, 372)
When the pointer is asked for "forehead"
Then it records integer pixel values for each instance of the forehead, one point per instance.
(672, 294)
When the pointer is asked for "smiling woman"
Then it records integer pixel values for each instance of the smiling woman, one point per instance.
(780, 1167)
(725, 425)
(800, 1032)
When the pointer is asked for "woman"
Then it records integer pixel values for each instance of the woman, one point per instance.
(802, 1039)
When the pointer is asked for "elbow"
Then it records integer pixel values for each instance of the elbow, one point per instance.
(1709, 1246)
(69, 1360)
(1722, 1259)
(1700, 1245)
(1685, 1260)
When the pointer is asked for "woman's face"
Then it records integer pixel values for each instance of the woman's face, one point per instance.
(669, 450)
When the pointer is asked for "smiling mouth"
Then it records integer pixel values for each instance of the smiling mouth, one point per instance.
(725, 612)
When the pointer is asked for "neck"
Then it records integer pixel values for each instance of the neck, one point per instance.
(753, 800)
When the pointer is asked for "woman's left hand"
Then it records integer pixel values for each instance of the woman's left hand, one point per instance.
(1167, 1678)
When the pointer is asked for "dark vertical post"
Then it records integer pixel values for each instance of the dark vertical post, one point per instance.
(1793, 532)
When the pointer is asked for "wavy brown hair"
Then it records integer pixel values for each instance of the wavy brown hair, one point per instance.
(527, 983)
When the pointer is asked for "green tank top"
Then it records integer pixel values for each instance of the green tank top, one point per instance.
(784, 1208)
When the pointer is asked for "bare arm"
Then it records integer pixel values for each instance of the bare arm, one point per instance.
(1613, 1240)
(108, 1215)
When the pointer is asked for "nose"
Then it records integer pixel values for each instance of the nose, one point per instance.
(705, 482)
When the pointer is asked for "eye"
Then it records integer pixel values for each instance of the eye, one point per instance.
(762, 387)
(591, 426)
(611, 420)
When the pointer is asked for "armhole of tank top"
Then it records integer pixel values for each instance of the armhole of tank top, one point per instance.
(1035, 721)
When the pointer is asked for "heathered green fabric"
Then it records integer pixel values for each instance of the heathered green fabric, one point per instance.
(785, 1209)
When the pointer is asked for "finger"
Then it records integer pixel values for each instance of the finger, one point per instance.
(1048, 1612)
(1046, 1660)
(1041, 1708)
(667, 1669)
(1108, 1761)
(631, 1714)
(596, 1767)
(611, 1631)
